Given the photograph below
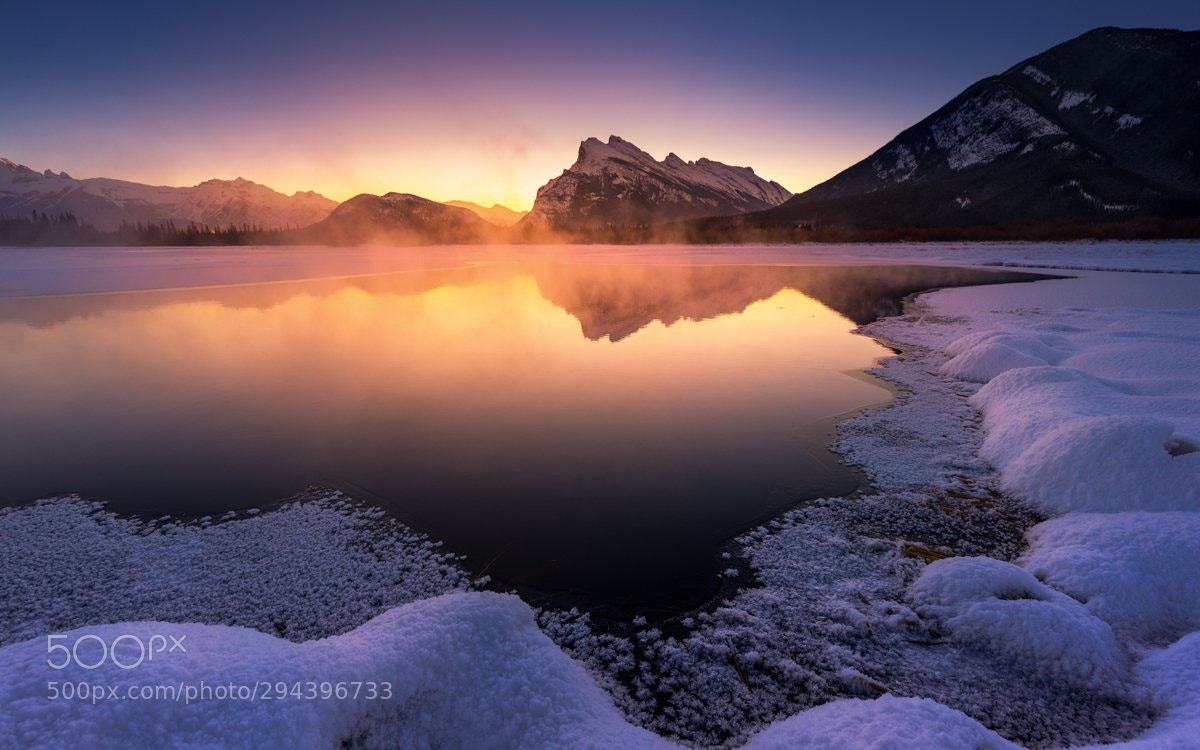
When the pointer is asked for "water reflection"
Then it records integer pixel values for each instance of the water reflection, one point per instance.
(694, 404)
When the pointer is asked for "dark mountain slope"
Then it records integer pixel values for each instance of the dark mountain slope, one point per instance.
(1102, 128)
(398, 219)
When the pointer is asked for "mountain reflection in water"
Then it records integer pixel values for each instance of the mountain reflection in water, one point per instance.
(590, 428)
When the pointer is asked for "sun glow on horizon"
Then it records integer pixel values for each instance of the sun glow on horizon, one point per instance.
(349, 100)
(507, 178)
(472, 151)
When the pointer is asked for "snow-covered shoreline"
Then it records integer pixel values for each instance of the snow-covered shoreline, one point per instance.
(921, 588)
(1091, 417)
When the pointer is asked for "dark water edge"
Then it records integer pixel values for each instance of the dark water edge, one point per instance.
(612, 614)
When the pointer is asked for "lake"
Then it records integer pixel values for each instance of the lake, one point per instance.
(589, 429)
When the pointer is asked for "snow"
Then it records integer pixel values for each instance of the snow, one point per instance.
(1002, 608)
(887, 723)
(618, 176)
(1139, 572)
(1087, 196)
(1172, 679)
(463, 670)
(1095, 416)
(986, 127)
(277, 572)
(903, 163)
(979, 357)
(105, 202)
(1091, 414)
(1072, 99)
(1037, 75)
(1125, 122)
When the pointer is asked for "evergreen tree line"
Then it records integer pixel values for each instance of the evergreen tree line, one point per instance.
(41, 229)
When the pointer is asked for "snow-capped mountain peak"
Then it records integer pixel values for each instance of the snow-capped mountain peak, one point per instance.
(615, 183)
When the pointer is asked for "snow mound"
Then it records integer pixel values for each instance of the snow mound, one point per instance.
(1139, 572)
(886, 723)
(983, 355)
(1102, 414)
(1003, 609)
(984, 362)
(1172, 678)
(1046, 346)
(466, 670)
(1072, 440)
(1107, 464)
(1102, 425)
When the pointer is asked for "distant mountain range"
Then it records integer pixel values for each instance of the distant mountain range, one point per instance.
(615, 183)
(399, 219)
(1100, 131)
(105, 203)
(1102, 128)
(501, 216)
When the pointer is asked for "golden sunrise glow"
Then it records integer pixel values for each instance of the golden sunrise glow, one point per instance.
(451, 150)
(434, 346)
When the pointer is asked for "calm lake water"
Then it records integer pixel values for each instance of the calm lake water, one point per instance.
(588, 427)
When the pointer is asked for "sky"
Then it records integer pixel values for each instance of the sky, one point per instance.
(486, 101)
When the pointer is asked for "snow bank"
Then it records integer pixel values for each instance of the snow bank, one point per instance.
(981, 356)
(1098, 418)
(887, 723)
(1094, 414)
(1107, 464)
(1172, 678)
(1139, 572)
(465, 670)
(1002, 608)
(984, 362)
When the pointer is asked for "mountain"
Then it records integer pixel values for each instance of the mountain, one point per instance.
(105, 203)
(399, 219)
(615, 301)
(501, 216)
(617, 184)
(1102, 128)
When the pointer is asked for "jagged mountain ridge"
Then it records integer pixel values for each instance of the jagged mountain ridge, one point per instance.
(106, 203)
(615, 183)
(1103, 127)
